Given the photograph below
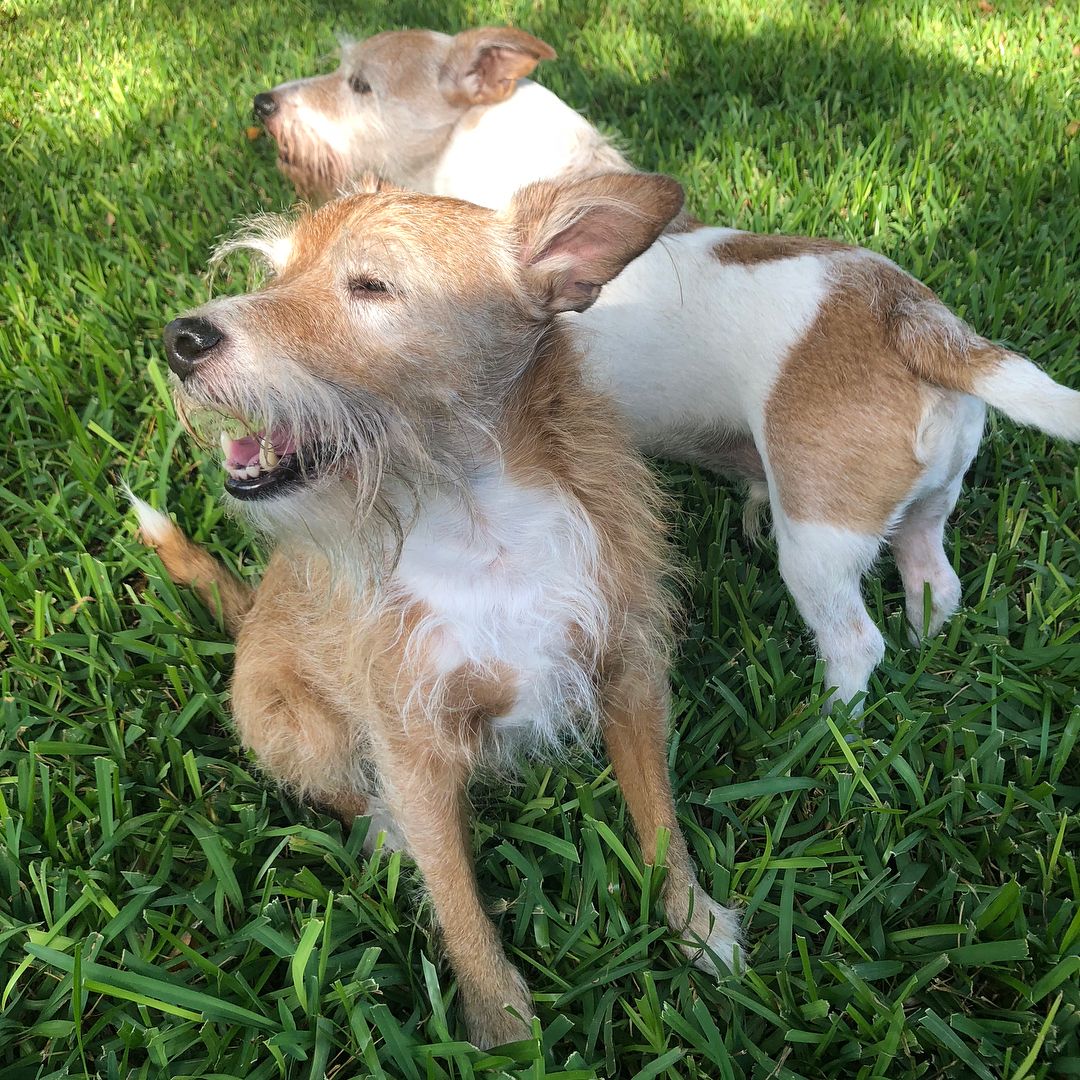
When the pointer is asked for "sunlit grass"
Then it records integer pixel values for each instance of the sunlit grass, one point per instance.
(911, 894)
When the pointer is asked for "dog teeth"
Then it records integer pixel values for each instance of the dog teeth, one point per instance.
(226, 445)
(247, 472)
(267, 457)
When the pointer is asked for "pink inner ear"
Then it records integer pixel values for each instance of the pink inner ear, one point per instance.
(584, 243)
(490, 66)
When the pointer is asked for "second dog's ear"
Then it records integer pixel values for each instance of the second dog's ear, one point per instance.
(484, 65)
(574, 238)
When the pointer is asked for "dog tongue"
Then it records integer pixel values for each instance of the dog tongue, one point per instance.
(241, 453)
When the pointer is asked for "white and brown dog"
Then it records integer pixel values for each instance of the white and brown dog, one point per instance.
(468, 553)
(839, 386)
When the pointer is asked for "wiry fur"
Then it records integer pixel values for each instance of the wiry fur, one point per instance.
(474, 567)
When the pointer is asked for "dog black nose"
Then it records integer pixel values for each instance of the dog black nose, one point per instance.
(187, 341)
(265, 105)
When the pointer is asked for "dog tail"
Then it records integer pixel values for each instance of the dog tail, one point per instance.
(189, 564)
(1027, 395)
(942, 349)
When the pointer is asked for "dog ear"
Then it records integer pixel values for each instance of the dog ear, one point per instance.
(484, 65)
(575, 237)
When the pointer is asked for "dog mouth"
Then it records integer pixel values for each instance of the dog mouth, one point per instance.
(263, 465)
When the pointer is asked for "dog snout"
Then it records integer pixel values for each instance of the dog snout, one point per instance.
(265, 106)
(187, 341)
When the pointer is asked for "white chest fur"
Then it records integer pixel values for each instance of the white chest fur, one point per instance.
(510, 587)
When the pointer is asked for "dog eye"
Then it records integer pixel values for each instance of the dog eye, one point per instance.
(359, 85)
(364, 286)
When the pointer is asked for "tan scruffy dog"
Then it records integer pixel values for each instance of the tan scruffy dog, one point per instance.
(468, 555)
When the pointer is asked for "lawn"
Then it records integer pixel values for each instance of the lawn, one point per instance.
(910, 888)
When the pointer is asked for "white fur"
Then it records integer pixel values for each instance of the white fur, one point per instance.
(823, 566)
(153, 524)
(717, 927)
(382, 824)
(682, 340)
(506, 580)
(497, 149)
(1028, 395)
(269, 235)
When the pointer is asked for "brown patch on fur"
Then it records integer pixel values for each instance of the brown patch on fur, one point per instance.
(473, 698)
(842, 421)
(751, 249)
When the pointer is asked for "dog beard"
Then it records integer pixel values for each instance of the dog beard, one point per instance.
(362, 464)
(313, 167)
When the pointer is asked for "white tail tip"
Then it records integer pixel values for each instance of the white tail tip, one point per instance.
(153, 524)
(1026, 394)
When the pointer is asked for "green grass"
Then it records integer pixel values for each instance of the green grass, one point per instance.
(911, 896)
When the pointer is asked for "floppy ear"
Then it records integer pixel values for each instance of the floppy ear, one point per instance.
(484, 65)
(575, 237)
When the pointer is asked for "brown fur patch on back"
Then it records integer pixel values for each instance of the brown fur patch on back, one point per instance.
(842, 421)
(750, 249)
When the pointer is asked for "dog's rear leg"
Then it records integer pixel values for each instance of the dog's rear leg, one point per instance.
(303, 743)
(918, 548)
(635, 732)
(425, 788)
(823, 566)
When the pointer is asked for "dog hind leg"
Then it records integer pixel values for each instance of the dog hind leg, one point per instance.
(303, 742)
(917, 545)
(823, 566)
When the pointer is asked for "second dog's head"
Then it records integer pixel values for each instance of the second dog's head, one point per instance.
(392, 331)
(392, 103)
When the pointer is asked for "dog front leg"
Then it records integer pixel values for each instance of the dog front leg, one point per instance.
(425, 790)
(635, 732)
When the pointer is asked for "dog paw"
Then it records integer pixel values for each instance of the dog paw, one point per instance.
(717, 928)
(944, 603)
(489, 1012)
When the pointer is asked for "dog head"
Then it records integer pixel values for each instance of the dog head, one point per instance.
(392, 103)
(393, 330)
